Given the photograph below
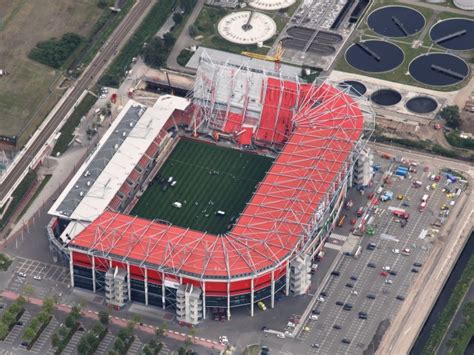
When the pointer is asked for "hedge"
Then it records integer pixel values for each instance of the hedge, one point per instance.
(16, 318)
(461, 337)
(455, 140)
(38, 332)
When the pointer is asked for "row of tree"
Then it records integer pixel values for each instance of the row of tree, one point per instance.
(157, 50)
(10, 316)
(40, 321)
(61, 338)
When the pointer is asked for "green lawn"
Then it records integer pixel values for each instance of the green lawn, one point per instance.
(209, 178)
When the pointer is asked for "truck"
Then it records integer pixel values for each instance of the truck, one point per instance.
(401, 214)
(417, 183)
(387, 196)
(340, 223)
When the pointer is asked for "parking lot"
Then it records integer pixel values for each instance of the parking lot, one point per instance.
(12, 344)
(357, 280)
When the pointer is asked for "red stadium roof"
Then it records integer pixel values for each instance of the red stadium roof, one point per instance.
(320, 135)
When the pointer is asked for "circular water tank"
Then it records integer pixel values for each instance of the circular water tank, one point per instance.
(435, 1)
(386, 97)
(355, 87)
(464, 4)
(422, 104)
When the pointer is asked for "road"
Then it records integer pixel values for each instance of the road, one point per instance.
(184, 40)
(87, 79)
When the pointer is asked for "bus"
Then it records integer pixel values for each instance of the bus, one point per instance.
(358, 252)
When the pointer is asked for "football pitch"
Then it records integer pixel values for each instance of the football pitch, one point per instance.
(209, 178)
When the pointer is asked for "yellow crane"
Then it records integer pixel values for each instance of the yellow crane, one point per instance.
(275, 58)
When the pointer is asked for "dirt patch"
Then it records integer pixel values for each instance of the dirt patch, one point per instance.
(29, 91)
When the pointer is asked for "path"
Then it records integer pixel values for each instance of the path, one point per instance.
(184, 41)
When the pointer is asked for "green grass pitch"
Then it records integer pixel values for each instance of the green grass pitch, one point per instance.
(208, 178)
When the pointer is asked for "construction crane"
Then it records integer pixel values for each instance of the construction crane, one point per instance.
(275, 58)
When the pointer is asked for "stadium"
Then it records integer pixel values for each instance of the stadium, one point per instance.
(215, 201)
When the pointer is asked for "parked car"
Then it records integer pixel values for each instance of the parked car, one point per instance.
(417, 264)
(337, 327)
(335, 273)
(339, 303)
(400, 298)
(346, 341)
(414, 270)
(371, 265)
(384, 273)
(371, 296)
(362, 315)
(354, 278)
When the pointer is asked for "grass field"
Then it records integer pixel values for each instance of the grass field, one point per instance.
(29, 92)
(209, 178)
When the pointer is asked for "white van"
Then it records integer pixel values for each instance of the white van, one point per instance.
(177, 204)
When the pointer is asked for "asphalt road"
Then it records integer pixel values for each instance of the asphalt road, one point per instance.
(88, 78)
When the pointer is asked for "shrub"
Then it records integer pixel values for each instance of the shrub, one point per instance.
(451, 115)
(455, 140)
(54, 52)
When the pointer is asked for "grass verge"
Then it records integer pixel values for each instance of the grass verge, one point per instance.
(17, 196)
(208, 178)
(149, 27)
(440, 328)
(67, 131)
(35, 195)
(184, 57)
(461, 337)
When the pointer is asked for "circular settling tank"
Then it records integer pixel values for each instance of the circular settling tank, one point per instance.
(455, 33)
(271, 4)
(356, 88)
(386, 97)
(422, 104)
(246, 27)
(438, 69)
(396, 21)
(374, 56)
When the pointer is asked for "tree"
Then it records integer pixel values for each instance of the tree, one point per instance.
(70, 321)
(119, 346)
(155, 53)
(8, 317)
(147, 350)
(193, 31)
(177, 18)
(49, 305)
(3, 330)
(181, 351)
(76, 312)
(35, 323)
(28, 291)
(29, 334)
(43, 316)
(20, 301)
(169, 39)
(83, 347)
(104, 318)
(188, 342)
(451, 115)
(187, 5)
(55, 340)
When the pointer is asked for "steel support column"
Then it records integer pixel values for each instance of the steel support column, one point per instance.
(129, 283)
(145, 281)
(93, 274)
(287, 286)
(71, 268)
(228, 300)
(204, 300)
(252, 297)
(272, 302)
(163, 290)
